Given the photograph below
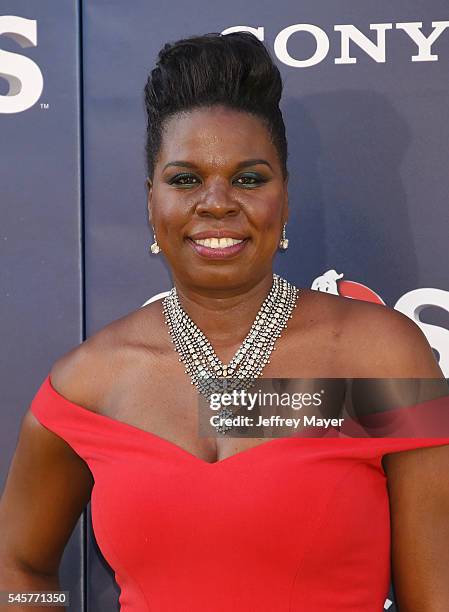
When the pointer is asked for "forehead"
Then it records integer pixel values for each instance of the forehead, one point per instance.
(215, 133)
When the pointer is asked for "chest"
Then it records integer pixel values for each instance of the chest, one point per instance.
(286, 508)
(151, 390)
(272, 408)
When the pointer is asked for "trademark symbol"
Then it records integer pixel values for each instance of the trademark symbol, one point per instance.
(45, 105)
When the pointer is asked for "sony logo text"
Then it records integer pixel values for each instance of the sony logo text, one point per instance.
(376, 50)
(26, 82)
(24, 76)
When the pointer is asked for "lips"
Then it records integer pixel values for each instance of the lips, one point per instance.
(214, 246)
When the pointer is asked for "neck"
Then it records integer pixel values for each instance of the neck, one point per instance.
(225, 317)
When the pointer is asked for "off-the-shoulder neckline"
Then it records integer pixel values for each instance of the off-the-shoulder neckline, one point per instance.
(247, 453)
(116, 423)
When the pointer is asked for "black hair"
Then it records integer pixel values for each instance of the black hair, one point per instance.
(234, 70)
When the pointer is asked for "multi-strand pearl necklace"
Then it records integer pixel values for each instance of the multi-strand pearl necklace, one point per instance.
(205, 369)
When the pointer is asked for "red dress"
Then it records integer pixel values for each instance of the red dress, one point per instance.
(290, 525)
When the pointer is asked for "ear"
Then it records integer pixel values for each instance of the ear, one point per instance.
(150, 195)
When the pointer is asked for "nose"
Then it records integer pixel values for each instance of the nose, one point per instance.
(216, 201)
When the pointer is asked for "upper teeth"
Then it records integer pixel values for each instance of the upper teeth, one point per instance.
(217, 243)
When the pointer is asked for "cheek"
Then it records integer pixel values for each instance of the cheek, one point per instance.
(267, 214)
(169, 213)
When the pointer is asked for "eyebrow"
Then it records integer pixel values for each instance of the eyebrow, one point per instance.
(243, 164)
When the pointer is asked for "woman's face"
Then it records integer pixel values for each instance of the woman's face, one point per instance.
(217, 174)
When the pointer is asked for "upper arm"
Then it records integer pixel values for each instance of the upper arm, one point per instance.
(47, 487)
(417, 479)
(418, 485)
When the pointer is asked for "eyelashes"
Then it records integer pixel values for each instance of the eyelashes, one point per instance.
(177, 180)
(254, 180)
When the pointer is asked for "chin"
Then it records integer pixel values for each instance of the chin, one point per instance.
(215, 277)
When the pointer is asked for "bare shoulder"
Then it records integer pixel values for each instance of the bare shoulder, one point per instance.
(390, 343)
(86, 372)
(344, 315)
(374, 340)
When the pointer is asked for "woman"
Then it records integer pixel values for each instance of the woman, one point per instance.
(223, 523)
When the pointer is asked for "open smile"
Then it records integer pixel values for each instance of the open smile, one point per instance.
(218, 248)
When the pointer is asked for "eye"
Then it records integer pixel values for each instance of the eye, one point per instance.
(254, 180)
(187, 179)
(182, 179)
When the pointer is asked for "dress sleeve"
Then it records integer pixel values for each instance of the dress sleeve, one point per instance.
(398, 408)
(73, 423)
(386, 416)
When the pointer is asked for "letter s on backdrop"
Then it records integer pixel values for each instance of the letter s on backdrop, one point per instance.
(23, 75)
